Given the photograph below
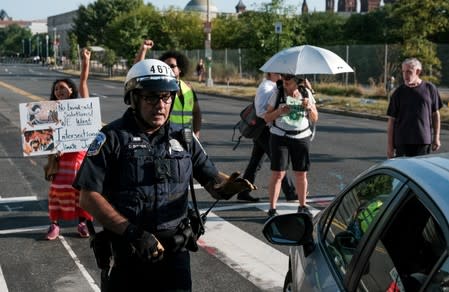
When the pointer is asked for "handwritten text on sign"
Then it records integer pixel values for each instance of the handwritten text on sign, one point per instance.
(64, 125)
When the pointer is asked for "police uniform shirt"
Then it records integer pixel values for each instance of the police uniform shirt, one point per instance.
(103, 170)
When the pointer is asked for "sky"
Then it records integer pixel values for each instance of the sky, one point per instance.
(41, 9)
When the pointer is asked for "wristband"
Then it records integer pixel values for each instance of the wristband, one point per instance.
(132, 233)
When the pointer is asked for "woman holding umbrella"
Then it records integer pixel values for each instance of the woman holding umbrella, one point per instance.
(291, 109)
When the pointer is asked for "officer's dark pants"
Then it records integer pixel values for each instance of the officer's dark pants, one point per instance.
(261, 146)
(170, 274)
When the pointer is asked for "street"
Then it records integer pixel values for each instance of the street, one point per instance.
(233, 256)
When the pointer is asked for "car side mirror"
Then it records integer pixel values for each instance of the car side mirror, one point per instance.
(289, 229)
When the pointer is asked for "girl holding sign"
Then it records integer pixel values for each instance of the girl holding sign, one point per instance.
(63, 199)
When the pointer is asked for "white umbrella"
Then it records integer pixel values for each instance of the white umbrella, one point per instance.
(306, 60)
(96, 49)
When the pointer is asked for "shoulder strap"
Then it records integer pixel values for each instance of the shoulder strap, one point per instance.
(187, 136)
(233, 136)
(305, 94)
(280, 97)
(302, 89)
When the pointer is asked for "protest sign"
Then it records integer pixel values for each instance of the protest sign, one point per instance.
(67, 125)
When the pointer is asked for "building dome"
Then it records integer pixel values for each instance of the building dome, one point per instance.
(201, 6)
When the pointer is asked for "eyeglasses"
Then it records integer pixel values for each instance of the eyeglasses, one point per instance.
(287, 76)
(154, 98)
(172, 65)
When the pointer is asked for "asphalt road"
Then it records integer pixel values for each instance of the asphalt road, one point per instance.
(233, 254)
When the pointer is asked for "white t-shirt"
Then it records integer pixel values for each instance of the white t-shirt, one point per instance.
(296, 120)
(263, 94)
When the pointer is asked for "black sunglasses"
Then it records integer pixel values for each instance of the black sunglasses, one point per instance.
(172, 65)
(154, 98)
(287, 76)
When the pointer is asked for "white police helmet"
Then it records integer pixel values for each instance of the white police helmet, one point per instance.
(152, 75)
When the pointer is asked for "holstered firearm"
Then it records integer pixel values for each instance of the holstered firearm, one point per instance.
(100, 242)
(189, 230)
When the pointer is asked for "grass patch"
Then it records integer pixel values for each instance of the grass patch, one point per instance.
(354, 98)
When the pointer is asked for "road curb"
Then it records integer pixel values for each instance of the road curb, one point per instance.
(365, 115)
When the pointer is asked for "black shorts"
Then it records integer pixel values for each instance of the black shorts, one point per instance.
(285, 149)
(412, 149)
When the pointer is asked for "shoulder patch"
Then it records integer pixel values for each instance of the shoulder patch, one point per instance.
(175, 145)
(97, 143)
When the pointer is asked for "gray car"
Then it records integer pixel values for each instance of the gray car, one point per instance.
(386, 231)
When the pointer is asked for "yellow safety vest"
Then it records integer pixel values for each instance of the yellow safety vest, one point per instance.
(368, 214)
(182, 112)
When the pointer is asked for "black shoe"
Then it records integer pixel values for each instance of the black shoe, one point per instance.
(305, 209)
(272, 213)
(245, 196)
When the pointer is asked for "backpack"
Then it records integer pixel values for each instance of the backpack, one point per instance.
(250, 125)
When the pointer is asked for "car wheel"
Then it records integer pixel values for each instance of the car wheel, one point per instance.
(288, 282)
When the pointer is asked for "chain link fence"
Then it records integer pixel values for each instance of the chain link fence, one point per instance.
(372, 64)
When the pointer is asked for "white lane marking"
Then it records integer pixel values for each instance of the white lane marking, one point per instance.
(110, 86)
(3, 287)
(290, 207)
(17, 199)
(255, 260)
(317, 199)
(21, 230)
(80, 266)
(93, 94)
(252, 258)
(195, 186)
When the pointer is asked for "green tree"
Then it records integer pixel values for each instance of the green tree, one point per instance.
(255, 32)
(92, 21)
(169, 30)
(74, 48)
(127, 31)
(11, 38)
(324, 28)
(225, 29)
(419, 21)
(109, 59)
(369, 28)
(181, 30)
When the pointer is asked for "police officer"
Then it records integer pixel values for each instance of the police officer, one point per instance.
(135, 182)
(186, 109)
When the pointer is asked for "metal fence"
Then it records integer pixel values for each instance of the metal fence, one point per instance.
(372, 64)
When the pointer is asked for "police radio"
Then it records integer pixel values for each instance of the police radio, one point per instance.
(196, 219)
(188, 137)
